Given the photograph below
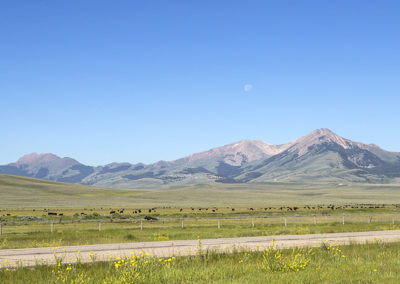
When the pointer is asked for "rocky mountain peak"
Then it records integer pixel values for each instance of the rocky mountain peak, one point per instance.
(34, 158)
(317, 137)
(44, 160)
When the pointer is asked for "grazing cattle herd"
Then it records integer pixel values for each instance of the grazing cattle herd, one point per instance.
(154, 213)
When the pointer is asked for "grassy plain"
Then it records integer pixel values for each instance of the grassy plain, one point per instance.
(21, 192)
(25, 204)
(369, 263)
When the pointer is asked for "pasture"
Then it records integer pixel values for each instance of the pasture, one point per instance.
(37, 213)
(74, 227)
(88, 215)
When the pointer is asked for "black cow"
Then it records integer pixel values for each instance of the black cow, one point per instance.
(149, 218)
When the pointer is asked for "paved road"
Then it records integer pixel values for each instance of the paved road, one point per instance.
(87, 253)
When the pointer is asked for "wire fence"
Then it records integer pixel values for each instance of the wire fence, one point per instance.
(193, 222)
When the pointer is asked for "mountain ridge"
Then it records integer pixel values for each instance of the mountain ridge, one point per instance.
(321, 155)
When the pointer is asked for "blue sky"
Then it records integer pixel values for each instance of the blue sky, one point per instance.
(141, 81)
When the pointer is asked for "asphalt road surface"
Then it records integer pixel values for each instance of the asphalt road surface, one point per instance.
(87, 253)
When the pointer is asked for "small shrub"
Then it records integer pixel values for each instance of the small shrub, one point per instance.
(130, 237)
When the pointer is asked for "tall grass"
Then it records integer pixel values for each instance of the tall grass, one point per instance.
(368, 263)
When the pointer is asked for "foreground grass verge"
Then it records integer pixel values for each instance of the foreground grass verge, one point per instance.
(368, 263)
(82, 234)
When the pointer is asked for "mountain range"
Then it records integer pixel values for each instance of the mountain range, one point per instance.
(319, 157)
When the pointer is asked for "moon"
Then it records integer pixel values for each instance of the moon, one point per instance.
(248, 87)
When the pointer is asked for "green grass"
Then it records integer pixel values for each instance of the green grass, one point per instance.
(23, 198)
(369, 263)
(81, 234)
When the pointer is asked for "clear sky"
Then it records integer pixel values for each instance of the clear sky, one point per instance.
(142, 81)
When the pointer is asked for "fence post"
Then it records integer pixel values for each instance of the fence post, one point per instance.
(285, 222)
(72, 219)
(99, 226)
(52, 227)
(252, 222)
(183, 224)
(1, 230)
(219, 224)
(342, 220)
(369, 219)
(315, 220)
(141, 225)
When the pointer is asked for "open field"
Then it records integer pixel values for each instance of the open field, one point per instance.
(134, 230)
(77, 210)
(369, 263)
(25, 205)
(21, 192)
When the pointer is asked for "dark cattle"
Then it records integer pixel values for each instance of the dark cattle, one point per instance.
(233, 209)
(121, 211)
(140, 211)
(251, 209)
(112, 212)
(61, 214)
(213, 210)
(149, 218)
(149, 210)
(180, 210)
(51, 213)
